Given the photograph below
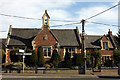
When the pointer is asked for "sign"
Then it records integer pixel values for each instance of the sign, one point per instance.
(27, 53)
(24, 54)
(21, 51)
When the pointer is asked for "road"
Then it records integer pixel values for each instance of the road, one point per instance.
(56, 77)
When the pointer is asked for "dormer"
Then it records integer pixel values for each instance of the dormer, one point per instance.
(45, 19)
(105, 43)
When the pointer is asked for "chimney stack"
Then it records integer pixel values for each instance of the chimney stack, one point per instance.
(110, 32)
(77, 29)
(10, 29)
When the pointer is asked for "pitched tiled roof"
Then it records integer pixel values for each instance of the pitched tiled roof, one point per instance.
(92, 41)
(22, 36)
(113, 40)
(66, 37)
(2, 42)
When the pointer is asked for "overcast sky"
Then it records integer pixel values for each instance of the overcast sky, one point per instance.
(73, 10)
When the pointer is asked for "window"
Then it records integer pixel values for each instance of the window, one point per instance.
(105, 45)
(45, 37)
(47, 52)
(105, 58)
(46, 20)
(70, 50)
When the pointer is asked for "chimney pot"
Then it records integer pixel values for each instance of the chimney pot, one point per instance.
(110, 32)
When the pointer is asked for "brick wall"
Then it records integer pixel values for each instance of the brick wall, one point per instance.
(107, 52)
(40, 41)
(104, 38)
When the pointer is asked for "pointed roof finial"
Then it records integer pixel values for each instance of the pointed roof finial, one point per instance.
(45, 11)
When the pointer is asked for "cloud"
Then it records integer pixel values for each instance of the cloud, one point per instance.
(57, 9)
(30, 8)
(109, 17)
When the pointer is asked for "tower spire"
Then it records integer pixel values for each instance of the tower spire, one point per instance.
(45, 19)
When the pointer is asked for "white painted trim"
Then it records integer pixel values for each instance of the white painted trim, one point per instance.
(47, 51)
(106, 55)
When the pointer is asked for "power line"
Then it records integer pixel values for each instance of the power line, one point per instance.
(66, 24)
(103, 11)
(19, 17)
(103, 24)
(65, 20)
(36, 18)
(3, 31)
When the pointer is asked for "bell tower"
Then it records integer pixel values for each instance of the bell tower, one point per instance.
(45, 19)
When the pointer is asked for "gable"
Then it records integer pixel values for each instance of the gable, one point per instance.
(92, 41)
(104, 38)
(44, 37)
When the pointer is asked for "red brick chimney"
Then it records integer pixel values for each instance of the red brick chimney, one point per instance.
(110, 32)
(9, 29)
(77, 29)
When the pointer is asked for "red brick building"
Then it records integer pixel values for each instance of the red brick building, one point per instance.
(106, 44)
(64, 40)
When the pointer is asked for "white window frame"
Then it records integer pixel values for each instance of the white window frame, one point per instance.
(70, 51)
(105, 45)
(47, 51)
(106, 57)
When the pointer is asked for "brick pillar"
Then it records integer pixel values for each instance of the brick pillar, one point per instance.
(8, 60)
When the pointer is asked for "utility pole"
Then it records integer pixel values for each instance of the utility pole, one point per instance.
(83, 38)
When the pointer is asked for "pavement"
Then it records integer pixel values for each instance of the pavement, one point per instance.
(105, 74)
(30, 75)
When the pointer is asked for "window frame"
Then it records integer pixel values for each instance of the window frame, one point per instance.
(105, 45)
(47, 51)
(70, 51)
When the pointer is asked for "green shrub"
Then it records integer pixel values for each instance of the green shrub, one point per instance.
(108, 63)
(55, 59)
(89, 60)
(78, 60)
(96, 55)
(116, 57)
(47, 66)
(41, 60)
(75, 67)
(31, 60)
(67, 60)
(14, 57)
(2, 54)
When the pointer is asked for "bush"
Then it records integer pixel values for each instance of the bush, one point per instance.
(89, 60)
(96, 55)
(55, 59)
(67, 60)
(31, 60)
(47, 66)
(18, 64)
(41, 60)
(108, 63)
(116, 57)
(14, 57)
(78, 60)
(75, 67)
(3, 55)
